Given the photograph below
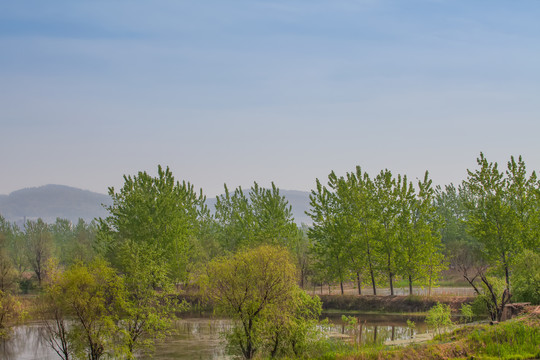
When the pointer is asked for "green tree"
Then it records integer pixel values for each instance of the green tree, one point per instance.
(39, 246)
(362, 201)
(84, 240)
(526, 277)
(8, 274)
(331, 231)
(156, 214)
(501, 210)
(257, 288)
(387, 212)
(263, 216)
(11, 310)
(93, 297)
(301, 248)
(439, 317)
(63, 237)
(148, 313)
(419, 234)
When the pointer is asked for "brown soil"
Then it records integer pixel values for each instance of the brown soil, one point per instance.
(390, 304)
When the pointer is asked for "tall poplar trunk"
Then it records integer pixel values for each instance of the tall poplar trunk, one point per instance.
(341, 285)
(371, 273)
(390, 276)
(373, 280)
(359, 283)
(410, 285)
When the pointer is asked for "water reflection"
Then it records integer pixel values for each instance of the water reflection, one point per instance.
(27, 342)
(201, 338)
(375, 328)
(197, 338)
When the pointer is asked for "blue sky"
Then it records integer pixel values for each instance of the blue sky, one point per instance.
(283, 91)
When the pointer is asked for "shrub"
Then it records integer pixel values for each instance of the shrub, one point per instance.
(526, 277)
(467, 312)
(439, 317)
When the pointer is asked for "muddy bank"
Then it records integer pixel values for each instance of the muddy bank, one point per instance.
(362, 303)
(390, 304)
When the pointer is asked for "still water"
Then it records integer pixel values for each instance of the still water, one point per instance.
(201, 338)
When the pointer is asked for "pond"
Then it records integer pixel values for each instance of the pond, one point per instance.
(200, 337)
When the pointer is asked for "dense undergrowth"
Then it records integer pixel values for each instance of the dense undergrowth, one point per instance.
(515, 339)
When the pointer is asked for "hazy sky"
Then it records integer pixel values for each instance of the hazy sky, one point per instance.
(283, 91)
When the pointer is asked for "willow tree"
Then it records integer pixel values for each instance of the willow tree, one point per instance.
(257, 288)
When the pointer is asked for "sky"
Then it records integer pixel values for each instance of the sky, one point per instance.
(264, 90)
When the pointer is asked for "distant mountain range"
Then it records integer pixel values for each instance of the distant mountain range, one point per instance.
(52, 201)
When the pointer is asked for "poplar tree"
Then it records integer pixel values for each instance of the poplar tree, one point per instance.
(425, 259)
(330, 233)
(502, 210)
(359, 202)
(153, 215)
(387, 211)
(263, 216)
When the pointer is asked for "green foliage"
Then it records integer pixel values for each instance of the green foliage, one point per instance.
(8, 274)
(148, 314)
(262, 216)
(502, 211)
(257, 288)
(10, 312)
(94, 297)
(156, 214)
(91, 312)
(491, 298)
(466, 312)
(411, 326)
(369, 227)
(330, 233)
(439, 317)
(39, 246)
(73, 244)
(526, 277)
(352, 325)
(508, 340)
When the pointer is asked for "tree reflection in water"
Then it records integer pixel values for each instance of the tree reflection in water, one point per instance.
(201, 338)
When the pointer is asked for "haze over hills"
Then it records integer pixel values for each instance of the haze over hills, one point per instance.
(52, 201)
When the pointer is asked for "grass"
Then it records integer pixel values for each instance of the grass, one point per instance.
(515, 339)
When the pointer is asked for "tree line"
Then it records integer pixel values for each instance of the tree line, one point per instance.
(375, 228)
(160, 237)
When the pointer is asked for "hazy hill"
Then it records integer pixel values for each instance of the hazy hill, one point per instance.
(51, 201)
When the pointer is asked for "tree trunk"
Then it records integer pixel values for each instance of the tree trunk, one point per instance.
(390, 276)
(341, 285)
(507, 273)
(373, 280)
(359, 283)
(410, 285)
